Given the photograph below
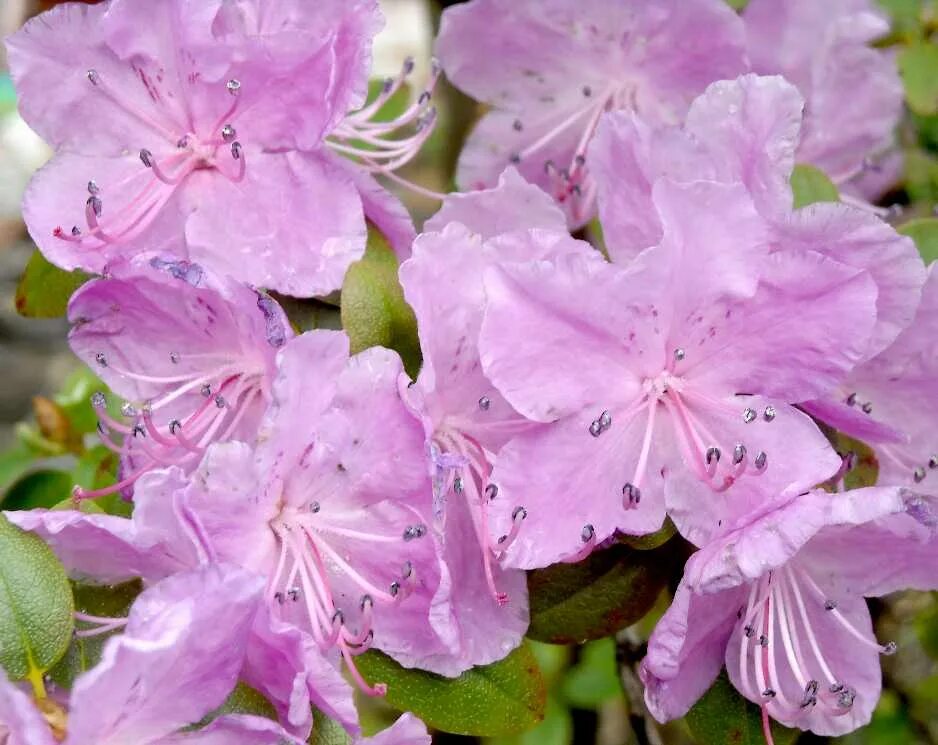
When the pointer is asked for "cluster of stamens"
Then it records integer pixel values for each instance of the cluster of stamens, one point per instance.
(570, 182)
(777, 630)
(700, 451)
(192, 151)
(383, 147)
(226, 393)
(301, 580)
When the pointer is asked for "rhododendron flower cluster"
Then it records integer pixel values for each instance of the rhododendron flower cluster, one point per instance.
(290, 506)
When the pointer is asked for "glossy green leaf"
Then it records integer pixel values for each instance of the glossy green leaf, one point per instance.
(811, 185)
(15, 463)
(374, 312)
(595, 678)
(723, 717)
(40, 489)
(652, 540)
(504, 698)
(327, 731)
(606, 592)
(107, 601)
(555, 729)
(925, 234)
(918, 65)
(44, 289)
(36, 605)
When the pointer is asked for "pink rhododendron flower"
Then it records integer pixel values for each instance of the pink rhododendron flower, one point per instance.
(172, 666)
(325, 509)
(890, 402)
(193, 354)
(685, 361)
(550, 70)
(465, 420)
(165, 537)
(780, 599)
(211, 130)
(748, 130)
(853, 92)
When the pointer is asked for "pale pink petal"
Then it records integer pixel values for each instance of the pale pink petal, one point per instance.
(294, 224)
(686, 650)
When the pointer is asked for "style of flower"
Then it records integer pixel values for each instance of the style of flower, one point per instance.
(780, 600)
(686, 360)
(549, 70)
(192, 354)
(853, 92)
(172, 665)
(210, 130)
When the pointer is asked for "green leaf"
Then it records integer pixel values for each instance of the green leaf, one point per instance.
(374, 312)
(918, 66)
(15, 463)
(723, 717)
(109, 601)
(595, 679)
(652, 540)
(40, 489)
(607, 591)
(327, 731)
(924, 232)
(36, 606)
(503, 698)
(75, 400)
(555, 729)
(811, 185)
(865, 472)
(44, 289)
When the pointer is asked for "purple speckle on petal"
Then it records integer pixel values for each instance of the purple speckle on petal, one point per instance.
(184, 270)
(275, 332)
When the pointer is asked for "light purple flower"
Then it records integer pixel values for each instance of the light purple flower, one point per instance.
(747, 130)
(192, 354)
(208, 129)
(853, 92)
(173, 664)
(685, 361)
(465, 420)
(780, 600)
(891, 401)
(550, 69)
(325, 509)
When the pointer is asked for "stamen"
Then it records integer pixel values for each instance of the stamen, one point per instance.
(588, 536)
(518, 516)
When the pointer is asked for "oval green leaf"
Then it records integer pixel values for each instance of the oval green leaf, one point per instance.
(607, 591)
(924, 232)
(44, 289)
(723, 717)
(811, 185)
(374, 312)
(503, 698)
(918, 66)
(327, 731)
(36, 605)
